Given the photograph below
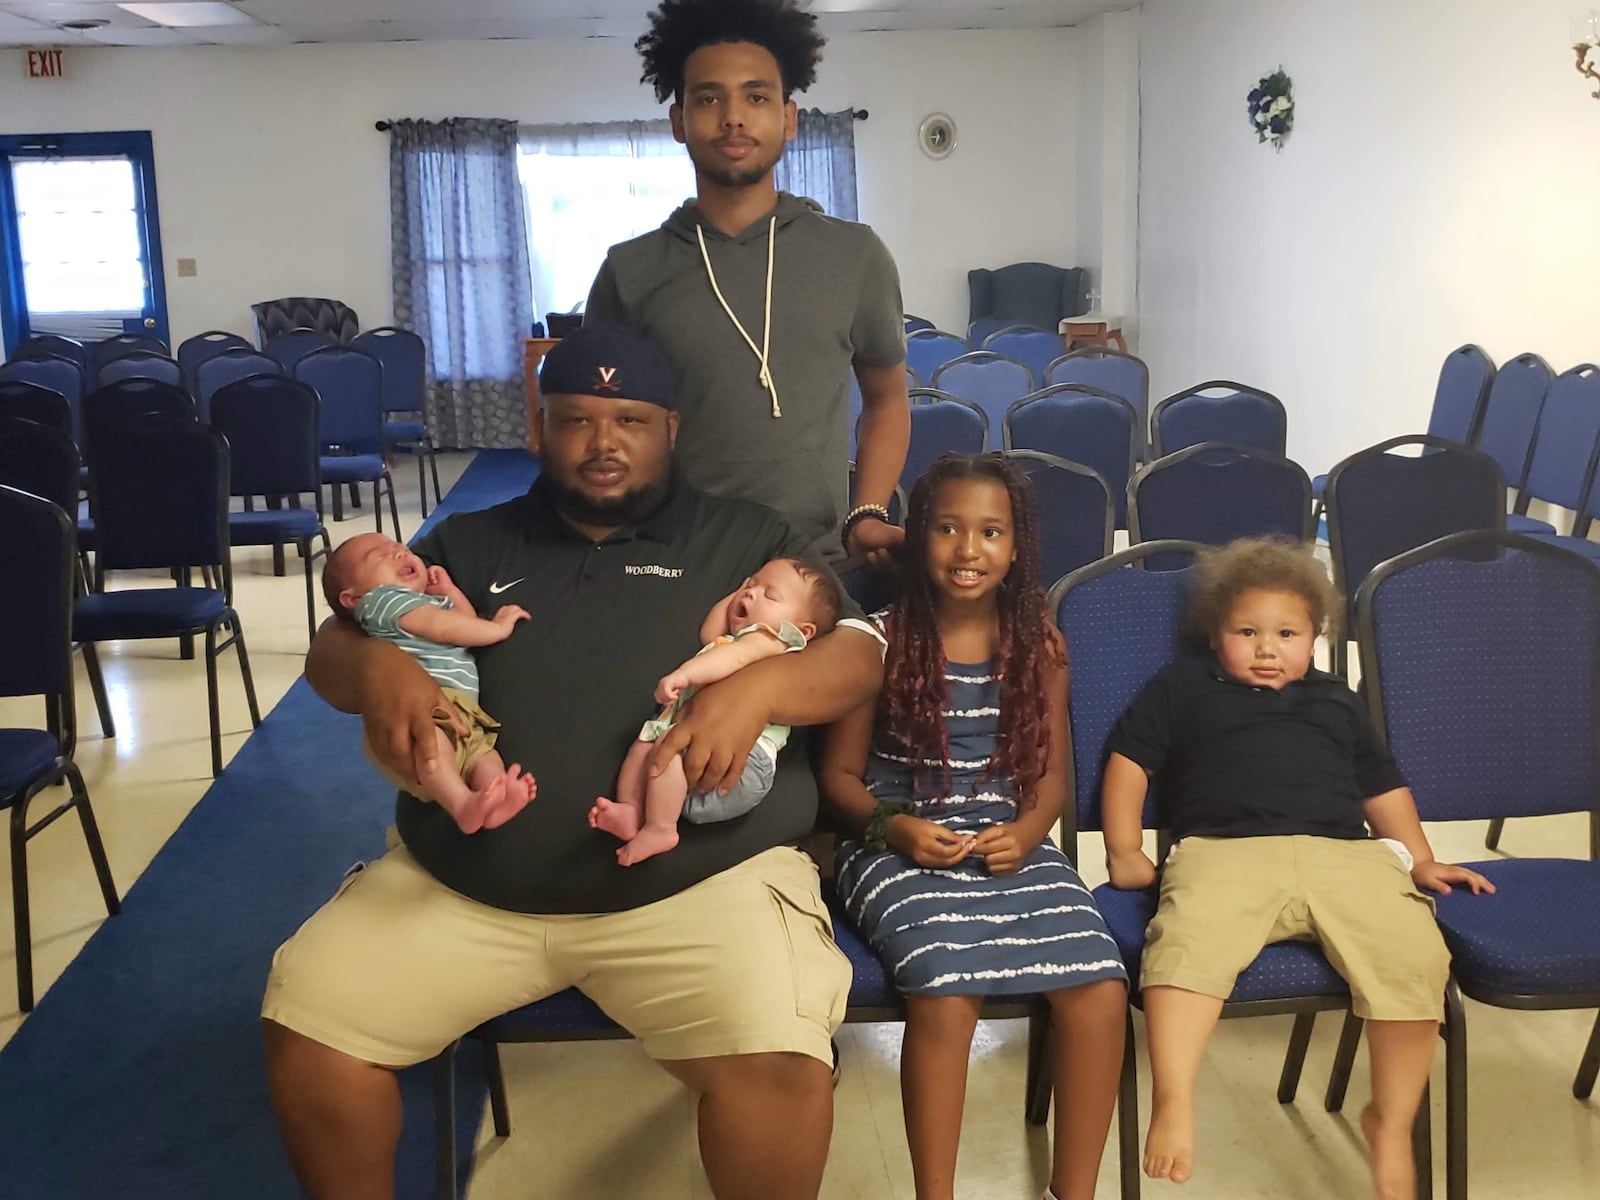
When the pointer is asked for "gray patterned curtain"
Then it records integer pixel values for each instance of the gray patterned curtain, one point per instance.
(821, 162)
(460, 260)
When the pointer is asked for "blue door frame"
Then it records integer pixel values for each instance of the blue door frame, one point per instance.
(136, 144)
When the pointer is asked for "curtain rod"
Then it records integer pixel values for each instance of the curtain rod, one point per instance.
(859, 114)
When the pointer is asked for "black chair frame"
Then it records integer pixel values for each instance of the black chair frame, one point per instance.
(61, 721)
(1454, 1028)
(1156, 450)
(1308, 525)
(308, 553)
(1339, 650)
(1304, 1009)
(1077, 468)
(981, 358)
(220, 575)
(423, 449)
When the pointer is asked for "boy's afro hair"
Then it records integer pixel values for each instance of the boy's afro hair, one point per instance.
(680, 27)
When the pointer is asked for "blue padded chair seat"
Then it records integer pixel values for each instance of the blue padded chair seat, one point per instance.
(272, 526)
(1577, 545)
(351, 468)
(1318, 486)
(145, 612)
(1517, 523)
(1535, 936)
(25, 754)
(400, 429)
(1282, 971)
(869, 982)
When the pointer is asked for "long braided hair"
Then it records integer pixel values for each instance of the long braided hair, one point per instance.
(911, 704)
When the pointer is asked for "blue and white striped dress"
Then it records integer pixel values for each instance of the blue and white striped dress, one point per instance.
(963, 932)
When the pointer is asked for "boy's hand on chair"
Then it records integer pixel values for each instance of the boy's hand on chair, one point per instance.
(1001, 849)
(1131, 872)
(926, 843)
(1438, 876)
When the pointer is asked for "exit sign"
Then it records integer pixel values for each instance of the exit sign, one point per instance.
(44, 64)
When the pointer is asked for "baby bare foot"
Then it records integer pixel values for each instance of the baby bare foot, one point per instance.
(519, 789)
(1393, 1169)
(470, 813)
(647, 843)
(619, 820)
(1169, 1145)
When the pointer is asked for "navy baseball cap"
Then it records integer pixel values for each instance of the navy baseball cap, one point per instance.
(603, 360)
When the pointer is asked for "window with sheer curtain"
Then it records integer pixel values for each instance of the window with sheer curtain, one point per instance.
(587, 187)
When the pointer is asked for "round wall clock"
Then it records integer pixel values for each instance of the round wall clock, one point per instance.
(937, 135)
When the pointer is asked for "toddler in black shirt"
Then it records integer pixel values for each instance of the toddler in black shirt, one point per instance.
(1270, 774)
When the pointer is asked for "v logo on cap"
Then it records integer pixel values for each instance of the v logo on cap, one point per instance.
(604, 383)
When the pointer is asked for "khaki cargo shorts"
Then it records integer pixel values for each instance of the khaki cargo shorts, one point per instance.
(397, 966)
(469, 747)
(1223, 899)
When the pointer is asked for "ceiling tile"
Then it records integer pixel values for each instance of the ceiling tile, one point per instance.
(459, 20)
(114, 35)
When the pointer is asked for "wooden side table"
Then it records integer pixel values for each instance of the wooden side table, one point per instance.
(1093, 328)
(534, 350)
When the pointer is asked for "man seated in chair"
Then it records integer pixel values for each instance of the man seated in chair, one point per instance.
(718, 957)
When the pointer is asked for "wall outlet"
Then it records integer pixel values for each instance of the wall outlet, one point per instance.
(186, 267)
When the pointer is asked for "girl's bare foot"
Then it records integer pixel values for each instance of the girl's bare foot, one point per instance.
(1394, 1172)
(1169, 1145)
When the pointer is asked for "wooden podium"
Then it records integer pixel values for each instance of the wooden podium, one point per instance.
(534, 350)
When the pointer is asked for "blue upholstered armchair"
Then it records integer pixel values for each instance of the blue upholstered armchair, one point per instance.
(1029, 293)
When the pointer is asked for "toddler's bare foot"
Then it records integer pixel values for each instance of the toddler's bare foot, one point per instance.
(647, 843)
(1169, 1145)
(1394, 1172)
(619, 820)
(470, 813)
(519, 789)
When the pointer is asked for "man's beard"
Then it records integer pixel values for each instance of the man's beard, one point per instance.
(742, 175)
(633, 506)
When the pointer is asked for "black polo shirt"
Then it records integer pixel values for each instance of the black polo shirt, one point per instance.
(572, 686)
(1235, 760)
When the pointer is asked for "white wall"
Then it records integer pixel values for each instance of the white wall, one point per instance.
(271, 176)
(1108, 161)
(1441, 186)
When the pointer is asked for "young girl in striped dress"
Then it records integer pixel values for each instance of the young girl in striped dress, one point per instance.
(954, 778)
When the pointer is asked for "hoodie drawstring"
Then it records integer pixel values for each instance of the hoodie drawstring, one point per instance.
(765, 374)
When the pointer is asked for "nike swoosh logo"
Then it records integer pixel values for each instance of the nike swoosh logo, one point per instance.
(496, 588)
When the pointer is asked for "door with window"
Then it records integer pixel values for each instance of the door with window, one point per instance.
(80, 236)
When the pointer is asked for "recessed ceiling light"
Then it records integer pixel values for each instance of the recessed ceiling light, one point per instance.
(190, 13)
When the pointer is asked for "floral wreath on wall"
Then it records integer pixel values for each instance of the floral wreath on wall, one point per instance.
(1271, 107)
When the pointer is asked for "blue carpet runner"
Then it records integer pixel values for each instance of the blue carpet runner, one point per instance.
(140, 1074)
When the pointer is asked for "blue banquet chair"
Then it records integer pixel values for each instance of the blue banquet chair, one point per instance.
(36, 543)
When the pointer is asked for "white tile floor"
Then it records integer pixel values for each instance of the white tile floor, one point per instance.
(593, 1120)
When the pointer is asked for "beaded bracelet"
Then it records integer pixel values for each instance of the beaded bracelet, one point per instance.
(860, 513)
(878, 825)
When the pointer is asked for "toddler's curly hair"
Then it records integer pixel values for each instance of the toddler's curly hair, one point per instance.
(1273, 564)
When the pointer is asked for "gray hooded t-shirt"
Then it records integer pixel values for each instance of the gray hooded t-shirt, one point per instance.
(835, 301)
